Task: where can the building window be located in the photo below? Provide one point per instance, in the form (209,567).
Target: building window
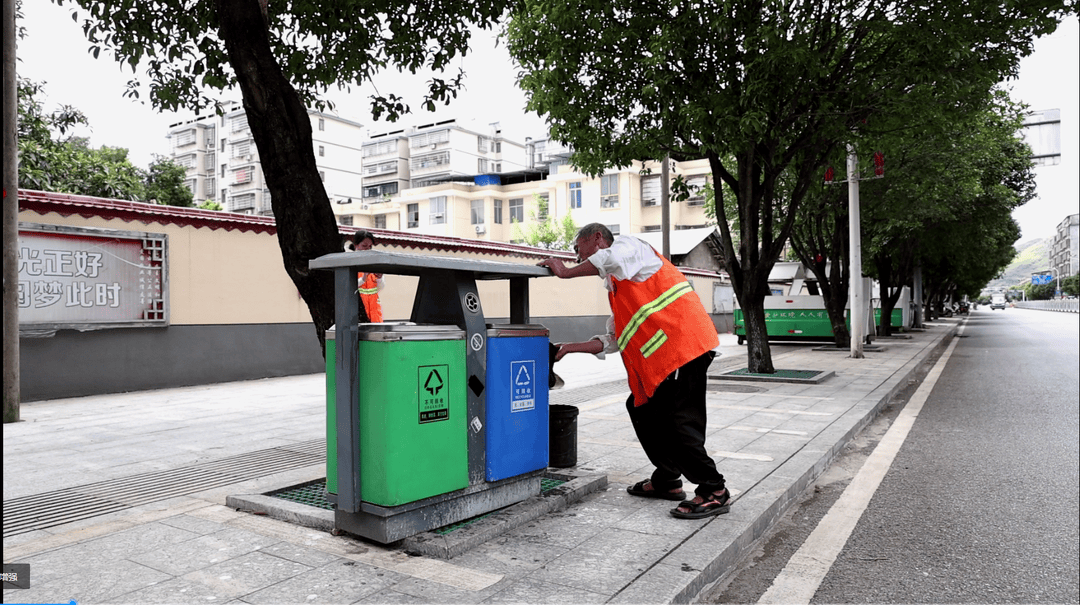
(496,214)
(208,188)
(186,137)
(381,168)
(192,184)
(187,161)
(241,149)
(542,203)
(609,191)
(437,210)
(476,212)
(380,148)
(322,124)
(650,190)
(413,213)
(429,138)
(431,160)
(651,228)
(240,123)
(696,185)
(211,137)
(345,220)
(322,175)
(322,151)
(224,196)
(380,221)
(482,166)
(498,146)
(517,210)
(374,191)
(575,195)
(482,144)
(239,203)
(242,176)
(209,161)
(613,228)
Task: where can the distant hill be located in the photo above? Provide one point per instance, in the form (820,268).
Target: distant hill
(1032,256)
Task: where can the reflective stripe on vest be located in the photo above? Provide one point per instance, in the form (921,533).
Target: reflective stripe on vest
(658,304)
(368,291)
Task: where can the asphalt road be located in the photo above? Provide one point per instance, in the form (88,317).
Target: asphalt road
(982,501)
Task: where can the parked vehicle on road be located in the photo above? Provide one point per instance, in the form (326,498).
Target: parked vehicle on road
(997,301)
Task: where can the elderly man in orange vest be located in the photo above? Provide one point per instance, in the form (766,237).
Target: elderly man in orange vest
(666,340)
(368,284)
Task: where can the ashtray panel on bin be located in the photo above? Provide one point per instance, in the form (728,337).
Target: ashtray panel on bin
(412,409)
(516,400)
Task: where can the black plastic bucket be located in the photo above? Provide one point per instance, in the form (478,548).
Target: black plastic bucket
(562,436)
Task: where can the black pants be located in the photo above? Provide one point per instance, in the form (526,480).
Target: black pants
(671,429)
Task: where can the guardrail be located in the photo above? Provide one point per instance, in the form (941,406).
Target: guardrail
(1066,306)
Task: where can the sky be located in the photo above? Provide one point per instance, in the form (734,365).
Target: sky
(55,52)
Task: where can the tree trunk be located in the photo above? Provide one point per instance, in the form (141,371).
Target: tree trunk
(752,301)
(281,127)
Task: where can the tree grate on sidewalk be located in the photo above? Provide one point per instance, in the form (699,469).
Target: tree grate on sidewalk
(802,374)
(313,493)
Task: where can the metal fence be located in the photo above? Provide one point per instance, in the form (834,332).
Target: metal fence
(1064,305)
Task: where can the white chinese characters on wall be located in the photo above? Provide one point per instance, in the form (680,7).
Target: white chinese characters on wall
(83,276)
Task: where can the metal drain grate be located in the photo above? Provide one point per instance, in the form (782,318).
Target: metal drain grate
(41,511)
(313,493)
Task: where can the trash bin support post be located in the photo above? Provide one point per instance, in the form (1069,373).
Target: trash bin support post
(347,316)
(519,300)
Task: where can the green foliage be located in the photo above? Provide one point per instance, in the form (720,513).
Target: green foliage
(165,183)
(209,205)
(946,201)
(1040,291)
(50,159)
(1071,285)
(318,45)
(544,230)
(776,87)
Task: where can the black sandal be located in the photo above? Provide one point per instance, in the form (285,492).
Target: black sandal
(712,505)
(638,489)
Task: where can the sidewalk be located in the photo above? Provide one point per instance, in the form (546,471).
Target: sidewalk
(155,528)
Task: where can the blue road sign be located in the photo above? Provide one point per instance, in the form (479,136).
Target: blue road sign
(1040,279)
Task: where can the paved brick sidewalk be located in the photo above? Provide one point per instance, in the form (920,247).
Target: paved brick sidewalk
(161,533)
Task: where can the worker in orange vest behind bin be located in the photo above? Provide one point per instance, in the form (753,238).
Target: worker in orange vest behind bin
(368,284)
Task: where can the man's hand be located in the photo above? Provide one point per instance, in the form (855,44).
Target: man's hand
(558,269)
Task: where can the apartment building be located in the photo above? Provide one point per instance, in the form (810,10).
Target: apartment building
(426,155)
(222,161)
(487,207)
(1065,248)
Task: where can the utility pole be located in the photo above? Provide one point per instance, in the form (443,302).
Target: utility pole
(856,296)
(11,220)
(665,208)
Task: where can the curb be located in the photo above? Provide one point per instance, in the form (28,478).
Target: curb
(776,494)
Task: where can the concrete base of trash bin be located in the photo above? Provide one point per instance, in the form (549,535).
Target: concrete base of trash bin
(390,524)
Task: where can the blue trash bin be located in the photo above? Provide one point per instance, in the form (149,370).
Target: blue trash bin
(517,400)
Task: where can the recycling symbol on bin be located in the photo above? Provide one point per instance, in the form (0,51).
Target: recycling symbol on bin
(434,383)
(522,377)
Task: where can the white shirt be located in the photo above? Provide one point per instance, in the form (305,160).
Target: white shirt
(628,258)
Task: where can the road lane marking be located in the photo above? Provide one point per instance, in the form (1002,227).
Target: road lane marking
(806,569)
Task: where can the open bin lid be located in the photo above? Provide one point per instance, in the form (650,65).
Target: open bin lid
(515,330)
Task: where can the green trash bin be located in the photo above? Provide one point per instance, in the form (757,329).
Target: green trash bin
(412,409)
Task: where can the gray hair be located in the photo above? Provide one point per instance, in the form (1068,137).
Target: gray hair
(594,228)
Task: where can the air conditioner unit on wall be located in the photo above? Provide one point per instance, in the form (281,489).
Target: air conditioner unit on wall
(481,229)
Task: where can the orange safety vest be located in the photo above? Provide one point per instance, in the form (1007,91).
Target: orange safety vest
(369,295)
(661,325)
